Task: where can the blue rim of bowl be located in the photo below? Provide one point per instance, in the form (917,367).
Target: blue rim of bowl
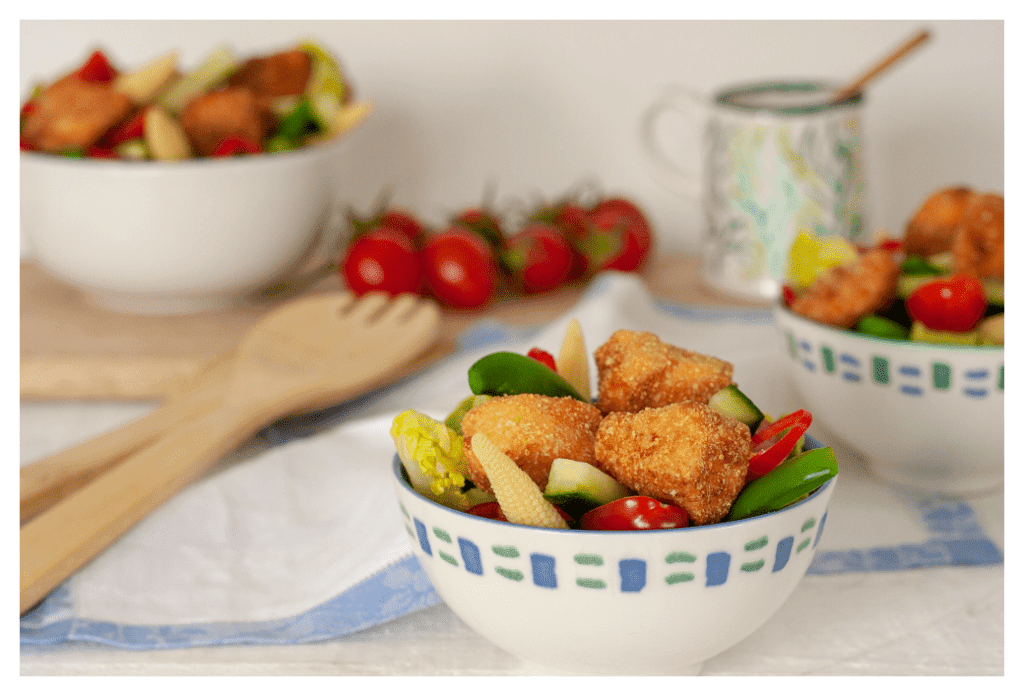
(779,306)
(398,469)
(312,151)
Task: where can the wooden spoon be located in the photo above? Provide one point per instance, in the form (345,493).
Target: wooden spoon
(307,354)
(881,66)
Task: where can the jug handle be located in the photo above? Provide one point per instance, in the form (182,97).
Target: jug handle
(669,172)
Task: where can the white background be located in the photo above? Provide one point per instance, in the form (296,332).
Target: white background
(470,111)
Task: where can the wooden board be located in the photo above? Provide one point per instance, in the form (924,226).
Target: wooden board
(72,350)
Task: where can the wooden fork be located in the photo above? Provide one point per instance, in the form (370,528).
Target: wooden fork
(308,354)
(49,480)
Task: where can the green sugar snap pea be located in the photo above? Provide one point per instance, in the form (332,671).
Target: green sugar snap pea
(785,484)
(503,373)
(873,325)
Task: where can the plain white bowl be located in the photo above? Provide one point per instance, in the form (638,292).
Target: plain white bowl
(925,416)
(177,236)
(656,602)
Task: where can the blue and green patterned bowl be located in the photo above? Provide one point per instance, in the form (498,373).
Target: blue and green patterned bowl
(628,603)
(925,415)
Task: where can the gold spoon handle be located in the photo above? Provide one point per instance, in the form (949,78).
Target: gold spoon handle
(49,480)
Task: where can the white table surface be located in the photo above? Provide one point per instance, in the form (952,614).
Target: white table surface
(929,621)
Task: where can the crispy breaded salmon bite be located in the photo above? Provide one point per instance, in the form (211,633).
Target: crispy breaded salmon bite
(533,430)
(684,453)
(636,370)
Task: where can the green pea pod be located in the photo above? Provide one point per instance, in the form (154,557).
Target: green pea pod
(873,325)
(503,373)
(785,484)
(918,265)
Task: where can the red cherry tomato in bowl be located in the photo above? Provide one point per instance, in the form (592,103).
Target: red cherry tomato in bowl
(382,260)
(948,304)
(460,269)
(633,513)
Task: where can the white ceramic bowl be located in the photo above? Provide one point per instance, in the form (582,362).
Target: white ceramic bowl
(924,415)
(656,602)
(181,236)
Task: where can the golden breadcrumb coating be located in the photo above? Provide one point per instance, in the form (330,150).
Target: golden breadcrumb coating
(844,294)
(978,242)
(636,370)
(684,453)
(534,431)
(933,226)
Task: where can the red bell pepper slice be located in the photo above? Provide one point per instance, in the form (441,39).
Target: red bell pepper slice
(492,511)
(788,295)
(132,129)
(97,152)
(543,357)
(236,145)
(773,443)
(97,69)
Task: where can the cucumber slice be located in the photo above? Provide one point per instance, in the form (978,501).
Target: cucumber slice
(730,401)
(907,284)
(921,333)
(993,291)
(577,487)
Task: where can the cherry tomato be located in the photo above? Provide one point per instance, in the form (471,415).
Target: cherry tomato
(405,223)
(236,145)
(392,218)
(483,223)
(635,512)
(538,258)
(97,69)
(491,511)
(570,217)
(543,357)
(460,270)
(948,304)
(382,260)
(630,229)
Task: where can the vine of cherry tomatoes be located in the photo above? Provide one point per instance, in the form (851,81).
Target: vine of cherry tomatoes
(467,262)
